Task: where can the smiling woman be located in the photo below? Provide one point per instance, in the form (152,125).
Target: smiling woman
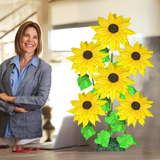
(25,82)
(30,40)
(29,34)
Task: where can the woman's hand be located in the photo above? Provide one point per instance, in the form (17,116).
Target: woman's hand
(7,98)
(21,110)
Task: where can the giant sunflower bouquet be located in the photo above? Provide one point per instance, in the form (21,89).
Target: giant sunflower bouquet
(109,80)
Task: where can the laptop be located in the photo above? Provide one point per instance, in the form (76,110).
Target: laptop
(69,135)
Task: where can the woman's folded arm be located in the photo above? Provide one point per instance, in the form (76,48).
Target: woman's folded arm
(36,101)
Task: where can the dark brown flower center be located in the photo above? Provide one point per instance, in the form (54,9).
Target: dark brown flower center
(135,105)
(113,28)
(87,54)
(113,77)
(136,55)
(87,105)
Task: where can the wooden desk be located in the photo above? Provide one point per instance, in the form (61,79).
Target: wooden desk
(135,152)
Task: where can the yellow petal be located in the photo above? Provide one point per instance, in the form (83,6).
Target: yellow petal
(148,113)
(103,22)
(83,46)
(111,18)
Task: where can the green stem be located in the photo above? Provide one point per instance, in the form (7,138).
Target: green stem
(126,129)
(111,107)
(111,110)
(109,127)
(96,129)
(112,57)
(103,148)
(93,81)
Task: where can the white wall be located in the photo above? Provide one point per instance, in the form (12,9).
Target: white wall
(145,14)
(64,12)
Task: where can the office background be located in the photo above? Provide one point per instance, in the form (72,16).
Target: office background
(65,23)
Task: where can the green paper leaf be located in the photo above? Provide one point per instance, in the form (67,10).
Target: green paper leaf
(131,90)
(106,59)
(118,126)
(106,50)
(106,107)
(111,118)
(116,63)
(111,132)
(103,138)
(84,81)
(99,96)
(125,141)
(88,131)
(93,90)
(122,96)
(135,142)
(107,99)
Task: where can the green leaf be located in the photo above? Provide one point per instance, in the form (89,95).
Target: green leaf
(111,118)
(116,63)
(93,90)
(84,81)
(110,132)
(87,131)
(106,50)
(135,142)
(122,96)
(125,141)
(107,99)
(106,107)
(99,96)
(106,59)
(118,126)
(131,90)
(103,138)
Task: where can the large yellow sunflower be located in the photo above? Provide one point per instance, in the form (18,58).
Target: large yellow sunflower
(135,58)
(113,31)
(134,108)
(112,81)
(87,108)
(87,58)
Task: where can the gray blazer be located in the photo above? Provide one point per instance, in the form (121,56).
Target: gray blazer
(32,94)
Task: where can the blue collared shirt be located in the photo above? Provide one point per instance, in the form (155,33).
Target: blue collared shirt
(16,80)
